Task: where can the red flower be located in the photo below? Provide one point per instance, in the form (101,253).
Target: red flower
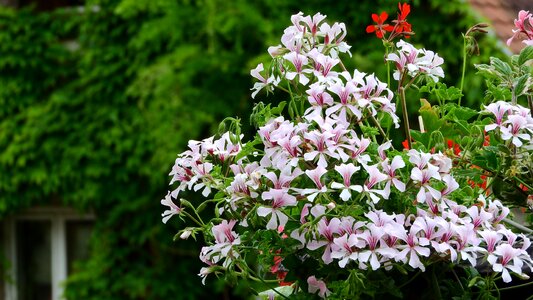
(278,269)
(379,28)
(453,145)
(486,141)
(402,26)
(405,145)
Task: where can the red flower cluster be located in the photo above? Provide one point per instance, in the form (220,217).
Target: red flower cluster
(380,29)
(401,26)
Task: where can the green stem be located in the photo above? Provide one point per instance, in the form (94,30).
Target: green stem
(388,66)
(283,89)
(192,218)
(515,287)
(255,278)
(379,127)
(523,182)
(464,70)
(405,117)
(457,277)
(410,280)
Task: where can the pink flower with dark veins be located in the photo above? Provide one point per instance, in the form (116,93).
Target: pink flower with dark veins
(315,175)
(299,62)
(410,252)
(280,199)
(346,171)
(499,109)
(327,230)
(346,247)
(375,177)
(504,259)
(173,208)
(524,25)
(514,128)
(390,171)
(267,83)
(315,285)
(422,177)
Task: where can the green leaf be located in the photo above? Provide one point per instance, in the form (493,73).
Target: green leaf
(369,131)
(486,159)
(463,113)
(436,140)
(432,121)
(448,94)
(525,55)
(421,137)
(521,85)
(487,71)
(498,92)
(466,172)
(501,66)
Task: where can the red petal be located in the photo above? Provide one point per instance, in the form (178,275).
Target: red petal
(375,18)
(388,28)
(370,28)
(379,34)
(405,9)
(383,17)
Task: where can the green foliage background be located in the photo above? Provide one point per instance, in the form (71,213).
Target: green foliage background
(97,126)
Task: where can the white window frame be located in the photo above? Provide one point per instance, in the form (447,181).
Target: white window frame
(58,216)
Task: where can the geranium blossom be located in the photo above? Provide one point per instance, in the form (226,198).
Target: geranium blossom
(402,26)
(415,62)
(325,189)
(280,199)
(319,286)
(346,171)
(380,28)
(263,82)
(524,26)
(173,208)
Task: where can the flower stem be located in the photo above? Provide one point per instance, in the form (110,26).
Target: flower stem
(193,218)
(518,226)
(410,280)
(515,286)
(405,117)
(379,127)
(388,65)
(457,277)
(464,70)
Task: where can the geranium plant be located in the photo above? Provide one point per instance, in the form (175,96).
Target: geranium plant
(320,202)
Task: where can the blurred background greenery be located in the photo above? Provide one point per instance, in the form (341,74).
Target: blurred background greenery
(97,97)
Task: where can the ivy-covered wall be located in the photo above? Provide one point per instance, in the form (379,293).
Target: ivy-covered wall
(95,104)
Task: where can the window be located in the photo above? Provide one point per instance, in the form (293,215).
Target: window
(43,245)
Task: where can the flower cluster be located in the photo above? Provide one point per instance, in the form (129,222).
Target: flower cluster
(401,26)
(514,122)
(317,185)
(447,230)
(414,62)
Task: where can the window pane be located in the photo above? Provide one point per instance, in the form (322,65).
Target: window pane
(78,237)
(34,272)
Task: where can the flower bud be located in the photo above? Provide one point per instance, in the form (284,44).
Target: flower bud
(185,234)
